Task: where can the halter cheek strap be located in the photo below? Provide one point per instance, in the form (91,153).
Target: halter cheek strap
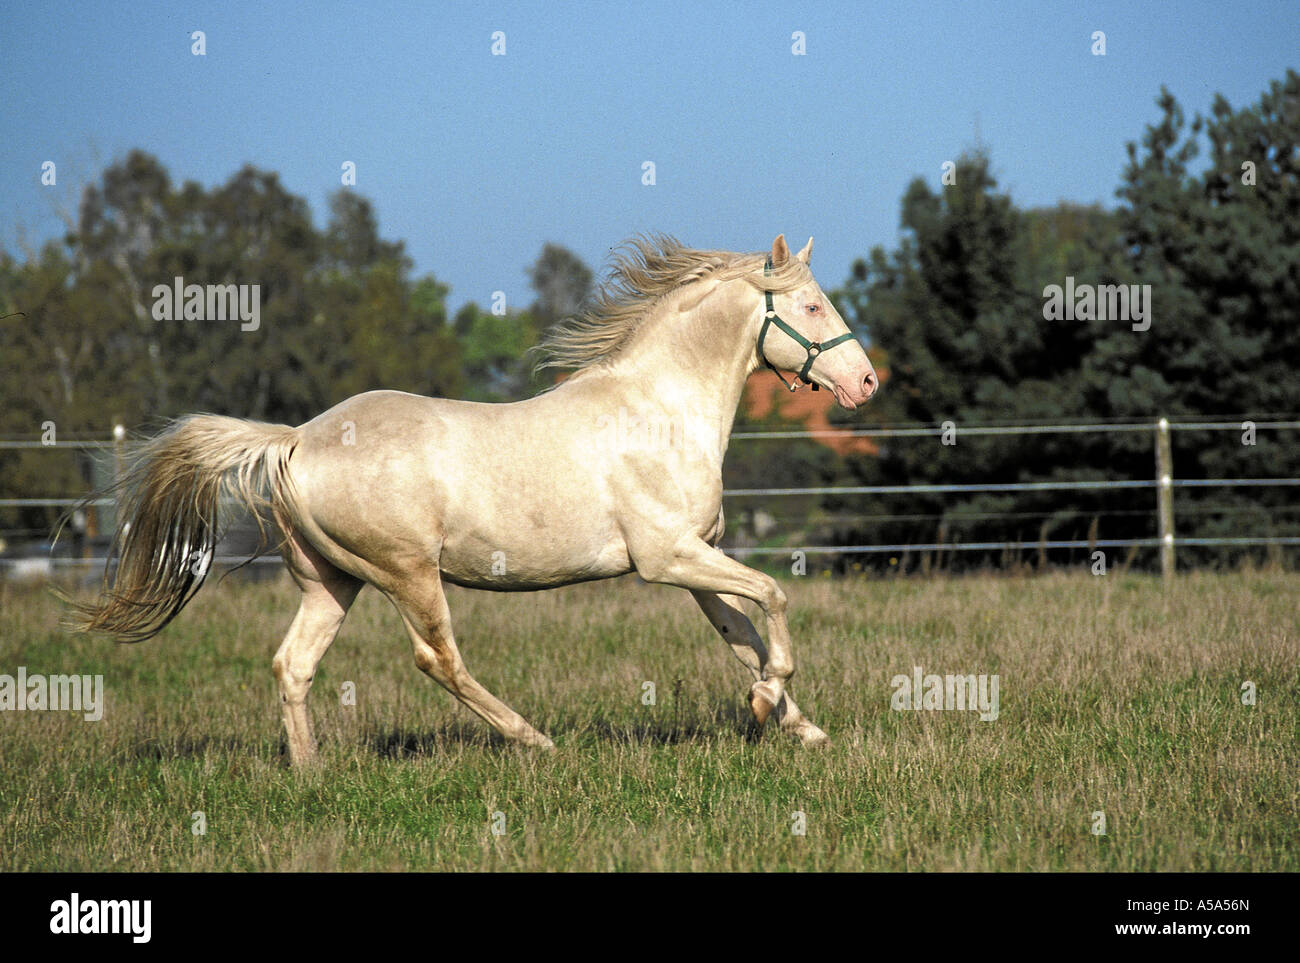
(813,348)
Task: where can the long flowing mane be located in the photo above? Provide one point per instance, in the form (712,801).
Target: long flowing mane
(642,271)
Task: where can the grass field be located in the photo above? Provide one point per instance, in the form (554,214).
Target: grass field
(1116,696)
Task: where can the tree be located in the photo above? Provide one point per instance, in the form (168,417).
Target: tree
(1220,249)
(959,309)
(338,315)
(562,282)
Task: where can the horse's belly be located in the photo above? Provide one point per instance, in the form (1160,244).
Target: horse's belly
(519,561)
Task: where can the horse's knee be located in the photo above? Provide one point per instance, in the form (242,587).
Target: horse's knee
(780,667)
(774,599)
(294,683)
(280,667)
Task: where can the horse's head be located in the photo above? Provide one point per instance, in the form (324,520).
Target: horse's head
(802,332)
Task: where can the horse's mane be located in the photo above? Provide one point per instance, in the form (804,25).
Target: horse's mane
(643,270)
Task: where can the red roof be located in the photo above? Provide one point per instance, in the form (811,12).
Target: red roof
(764,395)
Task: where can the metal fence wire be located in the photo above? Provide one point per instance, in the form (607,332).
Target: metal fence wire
(1162,482)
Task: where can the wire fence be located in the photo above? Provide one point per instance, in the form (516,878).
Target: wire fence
(1161,482)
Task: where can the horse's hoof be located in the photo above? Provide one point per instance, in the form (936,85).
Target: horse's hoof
(811,736)
(761,702)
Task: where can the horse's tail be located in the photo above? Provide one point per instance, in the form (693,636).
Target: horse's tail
(167,526)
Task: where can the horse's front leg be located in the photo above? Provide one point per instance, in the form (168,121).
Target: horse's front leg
(725,615)
(694,564)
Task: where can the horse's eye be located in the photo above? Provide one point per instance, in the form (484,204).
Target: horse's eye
(813,308)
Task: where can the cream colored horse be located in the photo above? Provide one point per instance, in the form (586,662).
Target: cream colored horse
(617,469)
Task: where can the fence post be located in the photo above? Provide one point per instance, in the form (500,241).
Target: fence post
(1165,498)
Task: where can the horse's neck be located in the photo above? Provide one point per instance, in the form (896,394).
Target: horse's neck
(691,357)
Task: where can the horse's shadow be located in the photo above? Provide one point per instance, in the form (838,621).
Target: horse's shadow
(187,747)
(404,743)
(727,721)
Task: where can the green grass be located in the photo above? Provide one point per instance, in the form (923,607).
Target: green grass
(1115,696)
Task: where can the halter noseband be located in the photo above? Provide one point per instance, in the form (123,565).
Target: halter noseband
(813,348)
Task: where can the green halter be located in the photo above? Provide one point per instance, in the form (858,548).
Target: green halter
(814,348)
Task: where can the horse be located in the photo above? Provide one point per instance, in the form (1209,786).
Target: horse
(407,492)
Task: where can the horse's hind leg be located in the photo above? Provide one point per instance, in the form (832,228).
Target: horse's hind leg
(725,614)
(422,604)
(327,593)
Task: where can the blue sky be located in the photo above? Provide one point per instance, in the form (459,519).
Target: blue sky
(476,160)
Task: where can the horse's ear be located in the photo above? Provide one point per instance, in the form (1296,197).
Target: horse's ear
(780,252)
(806,254)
